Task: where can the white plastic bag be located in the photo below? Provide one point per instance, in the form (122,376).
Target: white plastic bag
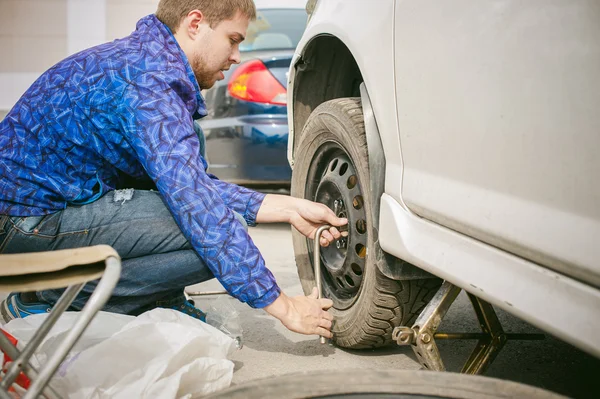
(159,354)
(223,316)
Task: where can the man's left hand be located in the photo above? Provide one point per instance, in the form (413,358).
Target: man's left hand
(310,216)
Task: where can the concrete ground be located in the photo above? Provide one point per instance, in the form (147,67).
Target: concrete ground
(271,350)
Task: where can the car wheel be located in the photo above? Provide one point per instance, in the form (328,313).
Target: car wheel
(389,384)
(332,168)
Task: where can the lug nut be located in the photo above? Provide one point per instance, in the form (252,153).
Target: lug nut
(341,243)
(337,206)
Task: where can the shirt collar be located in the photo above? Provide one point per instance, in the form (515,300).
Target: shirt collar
(152,21)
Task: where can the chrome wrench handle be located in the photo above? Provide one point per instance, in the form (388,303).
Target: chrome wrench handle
(317,264)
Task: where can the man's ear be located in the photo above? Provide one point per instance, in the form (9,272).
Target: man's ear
(194,23)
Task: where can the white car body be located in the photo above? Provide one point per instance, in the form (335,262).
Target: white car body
(487,112)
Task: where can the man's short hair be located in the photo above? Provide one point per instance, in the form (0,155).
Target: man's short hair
(172,12)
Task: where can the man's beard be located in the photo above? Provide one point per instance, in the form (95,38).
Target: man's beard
(205,78)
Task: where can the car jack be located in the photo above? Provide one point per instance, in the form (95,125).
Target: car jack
(423,334)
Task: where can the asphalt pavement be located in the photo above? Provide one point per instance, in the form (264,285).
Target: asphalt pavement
(270,349)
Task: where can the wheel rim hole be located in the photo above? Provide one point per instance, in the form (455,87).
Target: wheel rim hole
(339,281)
(356,269)
(361,226)
(343,168)
(334,165)
(351,183)
(349,280)
(361,250)
(358,202)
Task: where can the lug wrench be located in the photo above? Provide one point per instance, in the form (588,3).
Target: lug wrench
(317,270)
(317,264)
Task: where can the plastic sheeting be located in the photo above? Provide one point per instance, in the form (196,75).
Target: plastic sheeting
(159,354)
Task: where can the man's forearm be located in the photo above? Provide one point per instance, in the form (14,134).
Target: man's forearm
(277,208)
(278,308)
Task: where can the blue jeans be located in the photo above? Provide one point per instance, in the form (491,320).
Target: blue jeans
(158,261)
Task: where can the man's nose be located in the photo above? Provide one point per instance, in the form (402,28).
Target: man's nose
(236,57)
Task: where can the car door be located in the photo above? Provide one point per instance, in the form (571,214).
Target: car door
(497,107)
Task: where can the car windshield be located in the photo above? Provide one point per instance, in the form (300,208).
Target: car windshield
(275,30)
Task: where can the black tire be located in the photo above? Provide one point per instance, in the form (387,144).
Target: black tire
(367,304)
(397,384)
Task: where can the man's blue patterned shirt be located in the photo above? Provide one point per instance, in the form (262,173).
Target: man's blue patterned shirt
(127,108)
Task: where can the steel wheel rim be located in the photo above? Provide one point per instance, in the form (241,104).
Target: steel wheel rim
(333,181)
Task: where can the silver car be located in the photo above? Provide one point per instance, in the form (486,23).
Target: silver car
(460,139)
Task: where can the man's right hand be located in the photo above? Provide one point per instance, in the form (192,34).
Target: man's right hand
(303,314)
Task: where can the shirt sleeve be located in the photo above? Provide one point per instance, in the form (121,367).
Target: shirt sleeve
(159,128)
(244,201)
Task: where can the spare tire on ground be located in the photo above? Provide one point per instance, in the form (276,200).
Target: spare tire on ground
(392,384)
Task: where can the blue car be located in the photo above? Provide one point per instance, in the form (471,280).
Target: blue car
(246,128)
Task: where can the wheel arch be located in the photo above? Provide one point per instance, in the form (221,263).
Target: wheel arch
(327,70)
